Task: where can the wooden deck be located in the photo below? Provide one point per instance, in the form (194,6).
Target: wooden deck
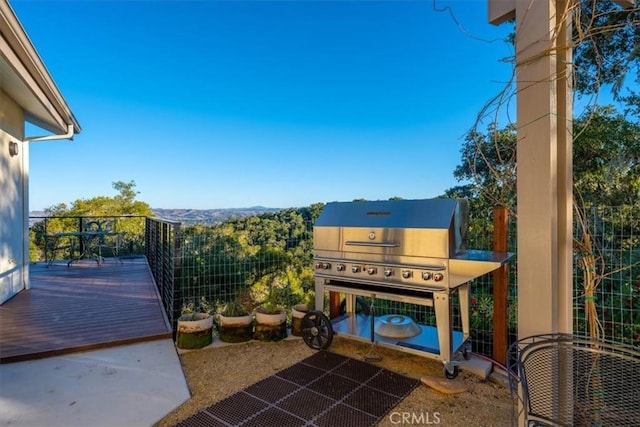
(81,307)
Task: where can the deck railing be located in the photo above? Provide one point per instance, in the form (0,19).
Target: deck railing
(129,227)
(162,249)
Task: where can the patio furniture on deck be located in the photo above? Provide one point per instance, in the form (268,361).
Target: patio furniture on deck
(568,380)
(55,244)
(108,240)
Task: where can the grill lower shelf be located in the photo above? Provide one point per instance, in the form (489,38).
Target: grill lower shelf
(441,342)
(358,326)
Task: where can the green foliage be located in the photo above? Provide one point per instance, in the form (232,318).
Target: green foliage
(607,158)
(123,203)
(268,256)
(606,166)
(281,289)
(481,312)
(607,51)
(606,163)
(188,308)
(233,309)
(126,214)
(489,163)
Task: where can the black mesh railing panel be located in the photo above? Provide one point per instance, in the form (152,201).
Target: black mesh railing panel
(162,242)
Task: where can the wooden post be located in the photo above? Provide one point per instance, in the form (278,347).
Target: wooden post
(334,304)
(500,285)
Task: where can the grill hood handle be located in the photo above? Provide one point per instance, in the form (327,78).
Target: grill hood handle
(372,244)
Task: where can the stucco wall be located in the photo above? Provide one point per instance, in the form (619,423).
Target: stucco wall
(14,260)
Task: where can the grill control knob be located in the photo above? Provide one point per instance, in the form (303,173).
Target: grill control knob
(355,269)
(438,277)
(426,275)
(326,266)
(388,272)
(406,274)
(340,267)
(371,271)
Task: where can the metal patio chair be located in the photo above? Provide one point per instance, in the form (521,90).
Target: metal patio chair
(109,242)
(53,245)
(568,380)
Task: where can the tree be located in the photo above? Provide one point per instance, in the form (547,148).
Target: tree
(67,218)
(607,158)
(123,203)
(607,51)
(489,163)
(251,253)
(606,56)
(606,161)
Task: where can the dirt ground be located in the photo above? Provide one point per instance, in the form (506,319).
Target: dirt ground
(219,371)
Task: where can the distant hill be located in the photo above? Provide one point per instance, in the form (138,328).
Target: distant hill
(210,216)
(194,216)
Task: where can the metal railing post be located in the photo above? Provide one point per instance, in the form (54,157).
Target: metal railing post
(177,273)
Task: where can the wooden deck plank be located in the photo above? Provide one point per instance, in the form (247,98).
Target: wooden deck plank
(81,307)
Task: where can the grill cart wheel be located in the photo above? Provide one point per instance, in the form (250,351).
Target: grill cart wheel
(316,330)
(453,374)
(466,351)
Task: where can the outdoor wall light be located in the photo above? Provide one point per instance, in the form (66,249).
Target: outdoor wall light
(13,148)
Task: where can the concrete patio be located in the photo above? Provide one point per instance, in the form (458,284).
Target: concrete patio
(130,385)
(88,345)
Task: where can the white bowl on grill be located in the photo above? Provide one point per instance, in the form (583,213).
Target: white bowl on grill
(396,326)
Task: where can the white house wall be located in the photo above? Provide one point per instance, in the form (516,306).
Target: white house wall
(14,256)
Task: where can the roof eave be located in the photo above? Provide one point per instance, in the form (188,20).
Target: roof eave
(54,114)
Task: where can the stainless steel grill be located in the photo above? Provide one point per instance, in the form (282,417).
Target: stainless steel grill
(404,250)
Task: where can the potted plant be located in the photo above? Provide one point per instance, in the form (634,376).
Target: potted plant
(297,313)
(235,323)
(271,316)
(195,328)
(299,310)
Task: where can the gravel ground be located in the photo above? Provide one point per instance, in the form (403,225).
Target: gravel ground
(221,370)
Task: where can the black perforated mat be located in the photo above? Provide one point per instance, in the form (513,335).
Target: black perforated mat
(323,390)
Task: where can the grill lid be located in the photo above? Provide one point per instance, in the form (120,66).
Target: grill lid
(428,213)
(429,227)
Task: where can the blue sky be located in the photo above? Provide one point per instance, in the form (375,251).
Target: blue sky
(219,104)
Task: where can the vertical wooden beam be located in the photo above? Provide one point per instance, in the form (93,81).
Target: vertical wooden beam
(500,285)
(334,304)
